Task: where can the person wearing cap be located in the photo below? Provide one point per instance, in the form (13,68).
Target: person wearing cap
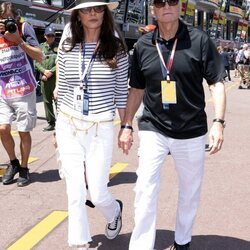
(18,48)
(92,83)
(168,68)
(47,70)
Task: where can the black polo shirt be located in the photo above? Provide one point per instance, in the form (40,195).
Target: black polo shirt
(196,57)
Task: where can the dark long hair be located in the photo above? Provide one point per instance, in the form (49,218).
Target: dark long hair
(110,44)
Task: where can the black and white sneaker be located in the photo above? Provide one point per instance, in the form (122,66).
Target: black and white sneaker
(23,179)
(113,229)
(176,246)
(12,170)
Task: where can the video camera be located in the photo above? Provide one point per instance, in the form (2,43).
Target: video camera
(10,24)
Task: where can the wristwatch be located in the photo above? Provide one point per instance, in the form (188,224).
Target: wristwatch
(223,122)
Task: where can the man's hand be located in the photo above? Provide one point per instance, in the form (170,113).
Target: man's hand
(44,78)
(216,138)
(125,140)
(13,37)
(48,73)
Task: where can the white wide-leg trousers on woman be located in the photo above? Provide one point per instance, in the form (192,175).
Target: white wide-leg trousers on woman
(78,142)
(188,157)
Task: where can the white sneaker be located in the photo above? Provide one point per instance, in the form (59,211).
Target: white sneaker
(113,229)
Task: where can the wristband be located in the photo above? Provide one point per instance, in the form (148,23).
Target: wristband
(223,123)
(127,127)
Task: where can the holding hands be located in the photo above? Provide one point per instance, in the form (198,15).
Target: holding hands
(125,138)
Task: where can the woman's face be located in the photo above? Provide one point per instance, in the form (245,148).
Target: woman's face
(92,17)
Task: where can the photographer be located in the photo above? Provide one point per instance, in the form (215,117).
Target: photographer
(18,48)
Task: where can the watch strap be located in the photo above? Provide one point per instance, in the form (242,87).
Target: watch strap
(220,121)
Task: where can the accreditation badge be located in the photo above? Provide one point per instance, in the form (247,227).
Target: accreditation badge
(168,92)
(78,99)
(85,109)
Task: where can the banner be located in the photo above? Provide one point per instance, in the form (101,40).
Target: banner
(235,10)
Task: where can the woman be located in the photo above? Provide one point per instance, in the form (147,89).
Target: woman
(92,83)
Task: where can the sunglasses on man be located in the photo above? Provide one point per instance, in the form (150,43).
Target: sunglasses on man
(162,3)
(97,9)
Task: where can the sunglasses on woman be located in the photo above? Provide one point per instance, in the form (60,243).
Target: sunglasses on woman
(97,9)
(162,3)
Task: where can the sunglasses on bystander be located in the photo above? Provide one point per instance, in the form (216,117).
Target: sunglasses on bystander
(97,9)
(162,3)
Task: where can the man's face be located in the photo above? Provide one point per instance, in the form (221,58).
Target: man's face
(166,11)
(50,38)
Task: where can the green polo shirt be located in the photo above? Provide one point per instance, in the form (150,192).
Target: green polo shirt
(49,61)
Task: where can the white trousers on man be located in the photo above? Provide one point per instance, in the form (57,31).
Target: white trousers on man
(188,157)
(78,142)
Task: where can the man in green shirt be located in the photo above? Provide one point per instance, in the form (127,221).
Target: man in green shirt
(47,70)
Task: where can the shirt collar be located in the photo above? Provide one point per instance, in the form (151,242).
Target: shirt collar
(179,34)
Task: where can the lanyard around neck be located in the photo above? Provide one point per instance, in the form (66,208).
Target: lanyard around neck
(87,68)
(167,68)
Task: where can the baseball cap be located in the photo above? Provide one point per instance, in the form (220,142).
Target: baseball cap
(49,31)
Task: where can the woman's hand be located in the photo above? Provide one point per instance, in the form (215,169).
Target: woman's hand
(55,92)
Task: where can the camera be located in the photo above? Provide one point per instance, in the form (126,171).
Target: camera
(10,24)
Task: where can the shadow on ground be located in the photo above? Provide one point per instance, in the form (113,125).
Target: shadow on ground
(46,176)
(123,178)
(165,238)
(41,118)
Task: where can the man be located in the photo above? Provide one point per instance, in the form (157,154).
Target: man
(18,49)
(225,60)
(168,68)
(243,61)
(47,70)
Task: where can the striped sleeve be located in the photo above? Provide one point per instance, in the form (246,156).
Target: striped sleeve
(121,89)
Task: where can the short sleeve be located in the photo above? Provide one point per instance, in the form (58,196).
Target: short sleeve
(212,62)
(30,35)
(137,79)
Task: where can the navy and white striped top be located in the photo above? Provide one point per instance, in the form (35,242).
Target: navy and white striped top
(107,88)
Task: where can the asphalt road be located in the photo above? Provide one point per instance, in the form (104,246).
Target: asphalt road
(35,217)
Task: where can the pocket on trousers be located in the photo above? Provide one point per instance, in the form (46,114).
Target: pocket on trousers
(31,120)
